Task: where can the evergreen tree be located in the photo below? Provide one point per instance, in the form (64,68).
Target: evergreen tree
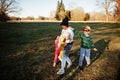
(87,17)
(60,11)
(57,11)
(62,7)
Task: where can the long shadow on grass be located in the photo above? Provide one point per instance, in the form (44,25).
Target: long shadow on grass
(74,66)
(101,45)
(118,75)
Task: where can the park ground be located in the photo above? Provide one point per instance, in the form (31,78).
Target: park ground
(27,52)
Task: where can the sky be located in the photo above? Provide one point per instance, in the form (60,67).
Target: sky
(44,7)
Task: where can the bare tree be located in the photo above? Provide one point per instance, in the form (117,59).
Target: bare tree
(97,16)
(77,14)
(107,6)
(117,11)
(7,7)
(52,15)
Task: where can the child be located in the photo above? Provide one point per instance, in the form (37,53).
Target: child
(86,45)
(57,50)
(61,45)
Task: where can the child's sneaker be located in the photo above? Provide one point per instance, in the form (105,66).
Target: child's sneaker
(60,72)
(81,68)
(54,64)
(87,65)
(68,66)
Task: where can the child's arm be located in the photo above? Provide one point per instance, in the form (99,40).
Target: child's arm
(92,45)
(76,31)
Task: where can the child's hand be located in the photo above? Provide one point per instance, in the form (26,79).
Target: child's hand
(94,49)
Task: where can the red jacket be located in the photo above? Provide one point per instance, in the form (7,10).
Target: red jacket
(56,43)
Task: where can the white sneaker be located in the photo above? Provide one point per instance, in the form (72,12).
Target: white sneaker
(54,64)
(60,72)
(87,65)
(69,65)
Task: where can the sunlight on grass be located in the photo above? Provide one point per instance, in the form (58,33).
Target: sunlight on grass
(27,52)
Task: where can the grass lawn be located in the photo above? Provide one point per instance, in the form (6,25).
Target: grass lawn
(27,52)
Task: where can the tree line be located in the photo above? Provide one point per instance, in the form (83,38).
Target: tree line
(110,12)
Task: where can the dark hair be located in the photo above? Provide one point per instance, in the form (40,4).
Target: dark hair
(57,36)
(65,22)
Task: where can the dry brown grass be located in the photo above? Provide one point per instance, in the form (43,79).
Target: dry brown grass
(27,52)
(107,64)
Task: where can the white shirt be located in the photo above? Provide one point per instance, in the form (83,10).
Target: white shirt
(68,34)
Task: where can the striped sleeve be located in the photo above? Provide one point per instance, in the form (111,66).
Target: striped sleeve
(77,32)
(91,43)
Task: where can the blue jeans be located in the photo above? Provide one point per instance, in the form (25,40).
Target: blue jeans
(84,53)
(65,57)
